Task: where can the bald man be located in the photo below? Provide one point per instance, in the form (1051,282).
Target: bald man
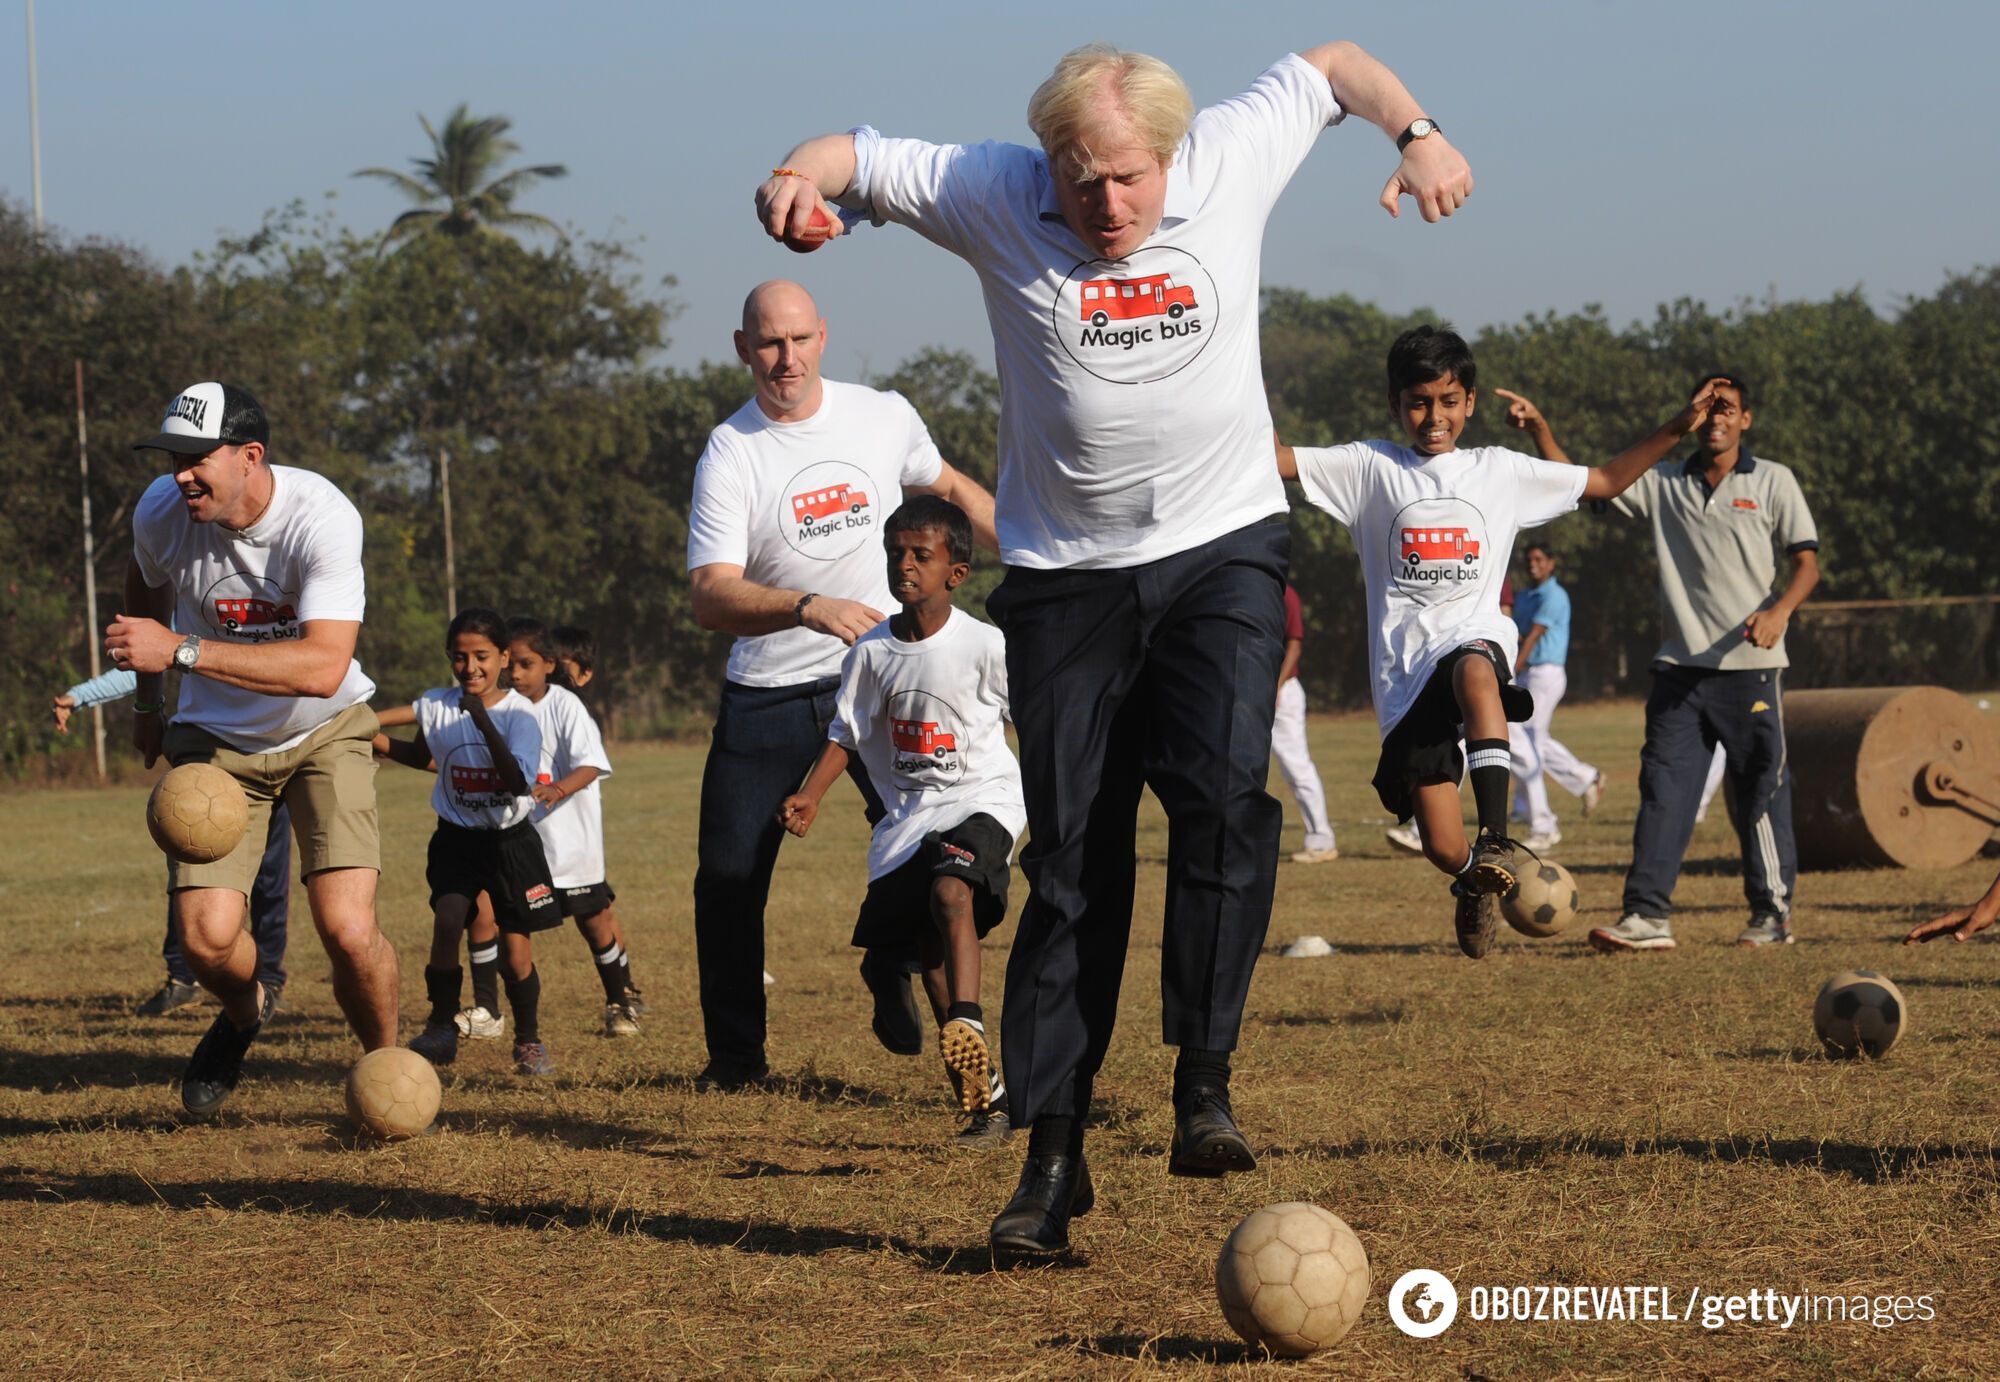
(785,552)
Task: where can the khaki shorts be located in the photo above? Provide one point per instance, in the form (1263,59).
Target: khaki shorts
(328,781)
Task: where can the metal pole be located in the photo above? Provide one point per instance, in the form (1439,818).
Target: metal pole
(89,565)
(35,127)
(450,565)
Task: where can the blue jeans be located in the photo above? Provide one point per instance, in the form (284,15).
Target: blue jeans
(270,908)
(1689,712)
(765,742)
(1162,675)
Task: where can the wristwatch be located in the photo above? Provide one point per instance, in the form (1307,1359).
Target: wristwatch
(187,653)
(1420,128)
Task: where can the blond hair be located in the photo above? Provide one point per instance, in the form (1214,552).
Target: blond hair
(1098,90)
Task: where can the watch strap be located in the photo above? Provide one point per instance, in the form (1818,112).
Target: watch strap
(1410,135)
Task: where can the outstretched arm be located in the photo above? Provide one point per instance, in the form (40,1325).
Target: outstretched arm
(797,811)
(966,492)
(727,601)
(1960,923)
(1432,173)
(1618,474)
(812,175)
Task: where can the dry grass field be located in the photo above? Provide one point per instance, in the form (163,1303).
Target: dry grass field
(1546,1116)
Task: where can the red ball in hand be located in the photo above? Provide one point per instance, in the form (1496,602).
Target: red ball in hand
(813,236)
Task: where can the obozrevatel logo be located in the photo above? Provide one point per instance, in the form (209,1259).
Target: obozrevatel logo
(1137,319)
(827,511)
(1423,1303)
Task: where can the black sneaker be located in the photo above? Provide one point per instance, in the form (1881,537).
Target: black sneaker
(722,1076)
(1493,868)
(173,994)
(1475,916)
(215,1066)
(274,1002)
(895,1024)
(988,1128)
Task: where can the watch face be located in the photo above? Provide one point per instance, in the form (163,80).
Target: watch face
(185,655)
(1420,128)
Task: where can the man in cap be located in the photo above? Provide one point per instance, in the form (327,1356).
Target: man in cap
(246,577)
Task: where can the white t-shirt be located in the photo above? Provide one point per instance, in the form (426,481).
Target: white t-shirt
(799,506)
(1133,421)
(300,561)
(572,830)
(1434,534)
(468,790)
(928,720)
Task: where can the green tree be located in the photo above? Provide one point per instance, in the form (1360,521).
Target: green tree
(459,188)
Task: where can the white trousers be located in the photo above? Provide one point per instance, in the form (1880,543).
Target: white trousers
(1535,750)
(1288,746)
(1708,788)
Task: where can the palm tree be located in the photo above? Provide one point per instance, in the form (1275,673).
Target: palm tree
(453,183)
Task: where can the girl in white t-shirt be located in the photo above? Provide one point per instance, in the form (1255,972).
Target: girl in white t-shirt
(486,746)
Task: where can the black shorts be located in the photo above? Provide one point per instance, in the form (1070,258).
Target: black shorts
(586,902)
(507,865)
(1423,747)
(897,909)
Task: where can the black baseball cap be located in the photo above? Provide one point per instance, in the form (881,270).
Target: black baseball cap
(205,416)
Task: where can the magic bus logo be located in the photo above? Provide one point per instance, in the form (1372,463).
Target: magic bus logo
(473,781)
(250,609)
(1139,319)
(924,734)
(1437,549)
(826,510)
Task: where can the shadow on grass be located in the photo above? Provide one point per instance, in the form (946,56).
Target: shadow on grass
(1362,1017)
(346,1199)
(1871,1165)
(808,1087)
(99,1004)
(121,1068)
(753,1169)
(1162,1348)
(1953,981)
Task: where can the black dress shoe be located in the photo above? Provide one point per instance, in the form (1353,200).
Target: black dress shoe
(1035,1223)
(1207,1141)
(724,1075)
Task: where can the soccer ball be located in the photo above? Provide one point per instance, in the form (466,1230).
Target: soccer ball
(392,1093)
(197,813)
(1293,1278)
(1858,1013)
(1542,901)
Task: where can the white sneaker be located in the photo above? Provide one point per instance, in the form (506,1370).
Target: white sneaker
(1634,932)
(1542,841)
(479,1024)
(1316,856)
(618,1021)
(1593,795)
(1405,837)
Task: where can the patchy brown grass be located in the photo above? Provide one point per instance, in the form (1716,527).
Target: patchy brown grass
(1545,1116)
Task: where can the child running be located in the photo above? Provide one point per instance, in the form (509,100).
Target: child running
(485,742)
(923,701)
(575,651)
(1433,525)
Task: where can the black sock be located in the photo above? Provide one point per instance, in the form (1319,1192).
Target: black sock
(442,986)
(1055,1136)
(1491,770)
(611,971)
(486,974)
(524,996)
(1199,1068)
(969,1011)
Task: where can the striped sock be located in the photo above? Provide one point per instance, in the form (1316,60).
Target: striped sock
(611,971)
(485,975)
(1490,767)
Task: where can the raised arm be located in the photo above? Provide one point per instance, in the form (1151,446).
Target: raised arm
(727,601)
(1524,416)
(1618,474)
(810,176)
(1432,173)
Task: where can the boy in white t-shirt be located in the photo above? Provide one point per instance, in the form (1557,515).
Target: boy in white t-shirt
(923,704)
(1433,526)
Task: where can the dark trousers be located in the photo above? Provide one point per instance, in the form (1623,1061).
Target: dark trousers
(1689,712)
(765,742)
(270,908)
(1162,675)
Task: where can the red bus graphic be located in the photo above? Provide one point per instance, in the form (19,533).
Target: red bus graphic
(921,736)
(472,781)
(1106,300)
(816,504)
(1440,544)
(244,612)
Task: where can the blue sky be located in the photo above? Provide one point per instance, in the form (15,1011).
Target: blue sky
(1626,154)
